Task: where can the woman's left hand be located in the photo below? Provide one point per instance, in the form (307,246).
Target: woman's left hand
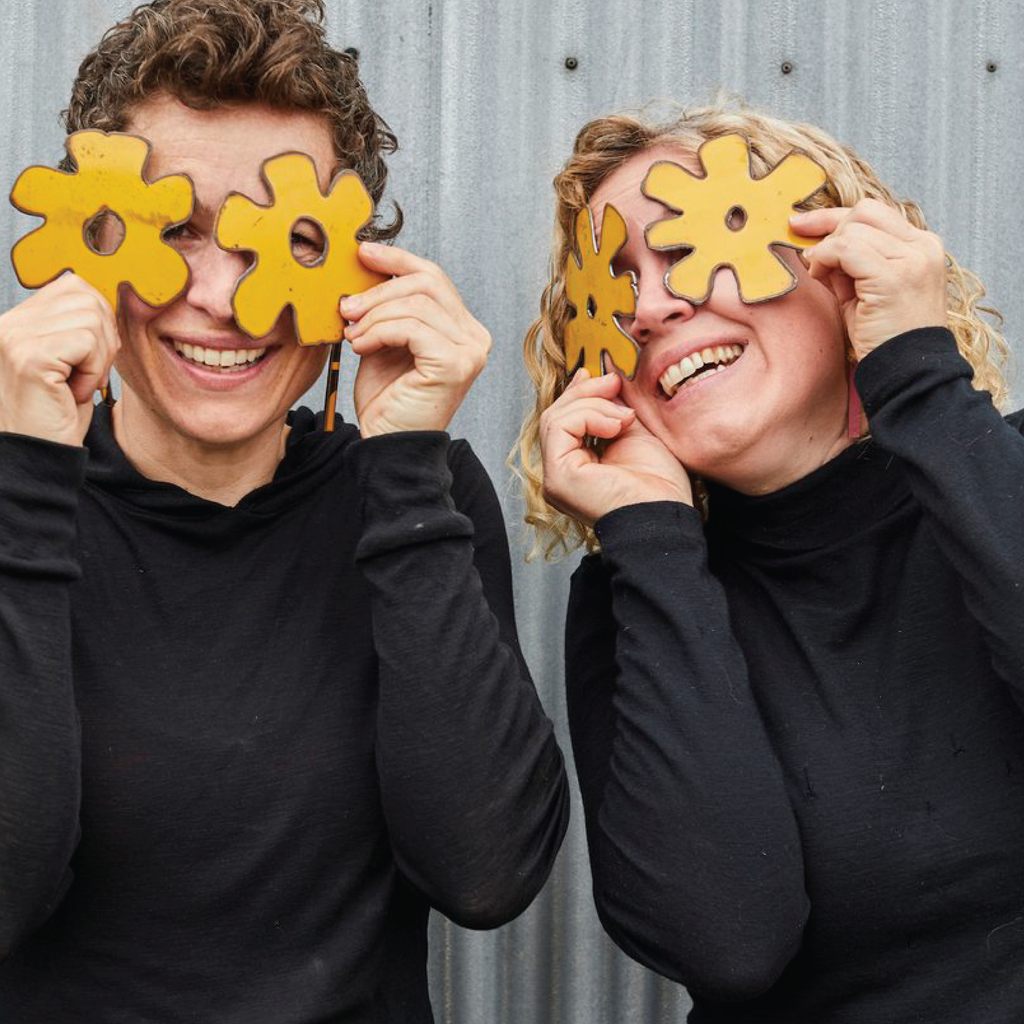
(888,276)
(419,347)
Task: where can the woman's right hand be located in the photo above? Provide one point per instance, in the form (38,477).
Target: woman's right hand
(56,350)
(634,466)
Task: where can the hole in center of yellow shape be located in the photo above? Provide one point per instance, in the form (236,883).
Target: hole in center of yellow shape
(308,242)
(736,219)
(591,307)
(104,232)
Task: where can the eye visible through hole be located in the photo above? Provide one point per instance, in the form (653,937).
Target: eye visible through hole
(104,232)
(591,307)
(736,219)
(308,242)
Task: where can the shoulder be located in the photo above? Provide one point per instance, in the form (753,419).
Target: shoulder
(471,486)
(1016,420)
(462,460)
(589,586)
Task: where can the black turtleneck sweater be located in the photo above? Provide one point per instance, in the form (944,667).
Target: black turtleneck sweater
(244,750)
(799,733)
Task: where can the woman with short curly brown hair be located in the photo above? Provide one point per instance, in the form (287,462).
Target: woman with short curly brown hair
(262,704)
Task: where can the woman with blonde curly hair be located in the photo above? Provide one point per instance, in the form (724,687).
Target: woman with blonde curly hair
(796,713)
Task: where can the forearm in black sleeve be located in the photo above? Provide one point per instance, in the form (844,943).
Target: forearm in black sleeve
(695,852)
(40,774)
(472,780)
(965,465)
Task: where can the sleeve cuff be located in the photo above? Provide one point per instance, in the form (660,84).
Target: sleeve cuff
(654,525)
(405,482)
(925,357)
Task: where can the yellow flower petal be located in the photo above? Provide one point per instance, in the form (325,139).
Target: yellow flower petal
(598,296)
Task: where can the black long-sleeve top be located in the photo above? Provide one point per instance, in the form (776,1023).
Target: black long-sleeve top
(244,750)
(799,733)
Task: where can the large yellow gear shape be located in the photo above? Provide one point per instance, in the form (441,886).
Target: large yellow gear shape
(109,175)
(729,218)
(277,279)
(598,296)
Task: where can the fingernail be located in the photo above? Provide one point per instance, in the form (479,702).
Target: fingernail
(371,247)
(349,304)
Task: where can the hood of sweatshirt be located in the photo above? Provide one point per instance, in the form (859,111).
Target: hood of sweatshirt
(311,457)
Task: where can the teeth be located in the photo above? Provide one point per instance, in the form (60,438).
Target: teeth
(681,374)
(219,357)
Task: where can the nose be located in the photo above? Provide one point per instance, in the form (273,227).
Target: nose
(213,275)
(656,307)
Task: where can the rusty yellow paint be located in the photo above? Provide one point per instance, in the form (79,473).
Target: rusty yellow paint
(109,176)
(598,296)
(277,279)
(730,219)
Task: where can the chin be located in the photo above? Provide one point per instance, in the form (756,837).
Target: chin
(219,427)
(711,446)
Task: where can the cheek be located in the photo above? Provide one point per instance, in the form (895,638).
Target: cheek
(133,318)
(308,364)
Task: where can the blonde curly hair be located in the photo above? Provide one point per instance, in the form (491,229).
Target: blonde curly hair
(607,142)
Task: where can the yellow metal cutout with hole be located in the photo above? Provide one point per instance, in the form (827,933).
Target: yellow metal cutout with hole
(598,296)
(109,176)
(277,279)
(729,218)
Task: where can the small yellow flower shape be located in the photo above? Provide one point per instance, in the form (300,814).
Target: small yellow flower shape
(277,279)
(729,218)
(598,296)
(109,176)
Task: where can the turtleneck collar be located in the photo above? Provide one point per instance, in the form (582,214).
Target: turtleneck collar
(860,486)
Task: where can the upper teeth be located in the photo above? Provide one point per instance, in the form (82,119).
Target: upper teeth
(680,373)
(218,356)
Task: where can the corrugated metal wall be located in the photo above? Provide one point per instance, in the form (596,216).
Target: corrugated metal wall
(485,104)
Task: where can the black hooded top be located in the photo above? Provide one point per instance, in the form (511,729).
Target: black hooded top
(244,749)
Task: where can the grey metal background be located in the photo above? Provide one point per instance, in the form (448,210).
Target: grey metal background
(485,107)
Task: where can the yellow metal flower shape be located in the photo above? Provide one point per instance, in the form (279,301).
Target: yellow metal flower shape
(729,218)
(109,175)
(277,279)
(598,296)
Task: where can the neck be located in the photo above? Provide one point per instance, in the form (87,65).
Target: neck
(781,463)
(220,473)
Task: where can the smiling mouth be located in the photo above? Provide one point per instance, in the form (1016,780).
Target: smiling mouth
(227,360)
(698,365)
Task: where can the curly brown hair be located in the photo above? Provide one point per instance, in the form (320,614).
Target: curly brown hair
(206,53)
